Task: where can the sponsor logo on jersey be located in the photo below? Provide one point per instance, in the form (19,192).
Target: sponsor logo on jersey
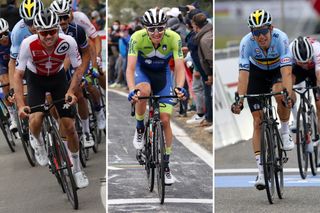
(37,53)
(164,47)
(285,60)
(180,48)
(258,51)
(276,35)
(244,66)
(148,61)
(62,48)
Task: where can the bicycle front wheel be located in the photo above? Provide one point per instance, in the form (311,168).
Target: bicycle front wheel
(149,158)
(159,153)
(66,174)
(314,137)
(278,156)
(267,160)
(301,139)
(23,129)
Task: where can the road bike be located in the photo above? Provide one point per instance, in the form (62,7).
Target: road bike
(154,144)
(307,132)
(273,156)
(59,161)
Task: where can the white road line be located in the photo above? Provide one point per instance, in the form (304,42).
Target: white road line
(248,170)
(156,200)
(183,138)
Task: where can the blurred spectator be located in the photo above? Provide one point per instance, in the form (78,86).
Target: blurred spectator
(179,27)
(97,21)
(113,42)
(10,13)
(204,39)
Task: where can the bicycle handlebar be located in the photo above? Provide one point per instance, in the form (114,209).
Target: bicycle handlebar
(262,95)
(47,106)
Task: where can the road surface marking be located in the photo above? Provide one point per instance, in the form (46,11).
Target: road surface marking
(156,200)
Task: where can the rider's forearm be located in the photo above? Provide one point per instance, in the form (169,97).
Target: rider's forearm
(243,82)
(132,60)
(18,87)
(318,77)
(75,81)
(11,66)
(286,73)
(180,72)
(92,52)
(85,59)
(97,42)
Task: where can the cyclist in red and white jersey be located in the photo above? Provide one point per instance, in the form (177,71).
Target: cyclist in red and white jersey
(306,64)
(41,57)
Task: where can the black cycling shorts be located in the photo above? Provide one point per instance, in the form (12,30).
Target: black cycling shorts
(302,74)
(57,85)
(261,81)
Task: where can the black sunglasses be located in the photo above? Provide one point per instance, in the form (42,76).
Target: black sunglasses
(64,17)
(153,29)
(260,31)
(4,35)
(28,22)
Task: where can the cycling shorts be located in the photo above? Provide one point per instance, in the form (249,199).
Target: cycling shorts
(57,85)
(261,81)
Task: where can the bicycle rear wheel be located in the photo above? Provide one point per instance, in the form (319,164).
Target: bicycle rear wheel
(159,153)
(7,135)
(314,137)
(65,171)
(301,138)
(267,160)
(278,156)
(23,129)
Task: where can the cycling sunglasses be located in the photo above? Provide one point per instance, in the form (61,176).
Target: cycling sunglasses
(29,23)
(260,31)
(4,35)
(64,17)
(48,32)
(153,29)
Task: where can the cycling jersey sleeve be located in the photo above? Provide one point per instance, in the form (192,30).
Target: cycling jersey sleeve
(84,22)
(83,42)
(133,45)
(316,55)
(176,46)
(73,53)
(244,62)
(284,51)
(24,55)
(15,45)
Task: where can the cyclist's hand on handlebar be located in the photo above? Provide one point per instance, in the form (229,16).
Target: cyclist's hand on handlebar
(10,96)
(236,108)
(133,96)
(24,112)
(181,93)
(70,98)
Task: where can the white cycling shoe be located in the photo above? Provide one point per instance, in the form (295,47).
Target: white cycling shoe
(40,151)
(81,179)
(260,183)
(138,139)
(168,177)
(287,142)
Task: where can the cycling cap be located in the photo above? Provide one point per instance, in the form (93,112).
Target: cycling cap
(29,8)
(61,7)
(302,49)
(4,26)
(259,18)
(46,19)
(154,17)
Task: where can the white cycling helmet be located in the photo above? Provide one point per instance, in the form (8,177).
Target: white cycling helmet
(259,18)
(302,49)
(154,17)
(29,8)
(4,26)
(61,7)
(46,19)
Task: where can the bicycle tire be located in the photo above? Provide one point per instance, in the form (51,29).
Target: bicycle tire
(159,150)
(278,163)
(149,158)
(65,171)
(314,135)
(7,135)
(302,155)
(82,154)
(54,159)
(93,125)
(267,160)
